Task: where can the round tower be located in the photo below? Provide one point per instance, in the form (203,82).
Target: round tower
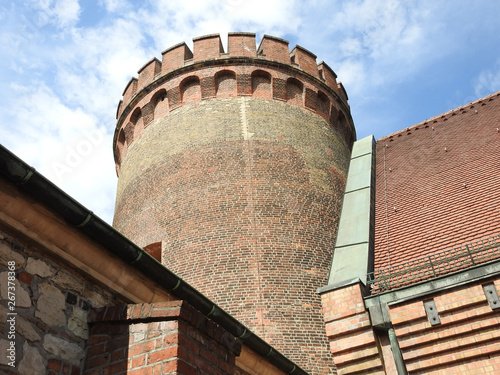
(232,168)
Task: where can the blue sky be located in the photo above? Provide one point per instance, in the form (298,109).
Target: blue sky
(64,65)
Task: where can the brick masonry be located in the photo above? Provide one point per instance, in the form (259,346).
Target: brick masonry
(353,343)
(241,214)
(466,339)
(160,338)
(466,342)
(238,172)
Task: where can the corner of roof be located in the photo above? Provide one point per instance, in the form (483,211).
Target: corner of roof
(442,116)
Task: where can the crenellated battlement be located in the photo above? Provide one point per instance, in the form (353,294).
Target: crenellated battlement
(240,44)
(270,71)
(232,164)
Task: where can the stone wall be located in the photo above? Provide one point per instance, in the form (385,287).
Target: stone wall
(49,316)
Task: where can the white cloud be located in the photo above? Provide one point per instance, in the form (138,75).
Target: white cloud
(60,13)
(352,71)
(40,117)
(382,27)
(172,22)
(488,81)
(351,47)
(18,37)
(386,39)
(114,5)
(65,144)
(66,77)
(93,70)
(278,17)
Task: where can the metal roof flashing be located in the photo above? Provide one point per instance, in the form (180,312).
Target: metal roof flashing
(353,253)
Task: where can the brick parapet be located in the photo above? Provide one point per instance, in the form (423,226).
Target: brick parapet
(148,72)
(243,60)
(166,338)
(241,44)
(164,310)
(209,48)
(274,48)
(305,59)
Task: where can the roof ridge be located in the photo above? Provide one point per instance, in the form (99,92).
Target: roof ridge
(434,118)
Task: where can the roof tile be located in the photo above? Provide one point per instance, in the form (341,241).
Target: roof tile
(434,210)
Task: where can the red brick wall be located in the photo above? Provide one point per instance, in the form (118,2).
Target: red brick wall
(466,342)
(241,44)
(190,90)
(148,72)
(261,84)
(294,92)
(207,47)
(306,60)
(353,344)
(161,338)
(160,105)
(274,49)
(129,91)
(174,57)
(225,83)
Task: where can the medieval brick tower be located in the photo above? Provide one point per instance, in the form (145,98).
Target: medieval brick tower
(231,169)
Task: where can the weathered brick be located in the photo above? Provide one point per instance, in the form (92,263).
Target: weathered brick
(158,346)
(251,157)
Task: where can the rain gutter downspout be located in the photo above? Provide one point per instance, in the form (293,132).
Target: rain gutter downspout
(396,352)
(381,320)
(33,183)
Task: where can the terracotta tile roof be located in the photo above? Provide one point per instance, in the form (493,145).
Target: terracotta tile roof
(438,183)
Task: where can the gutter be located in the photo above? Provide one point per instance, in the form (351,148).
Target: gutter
(33,183)
(396,352)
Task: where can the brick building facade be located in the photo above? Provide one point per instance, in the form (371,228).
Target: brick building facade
(263,238)
(427,209)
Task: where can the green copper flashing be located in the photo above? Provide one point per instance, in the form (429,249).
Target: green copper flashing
(353,256)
